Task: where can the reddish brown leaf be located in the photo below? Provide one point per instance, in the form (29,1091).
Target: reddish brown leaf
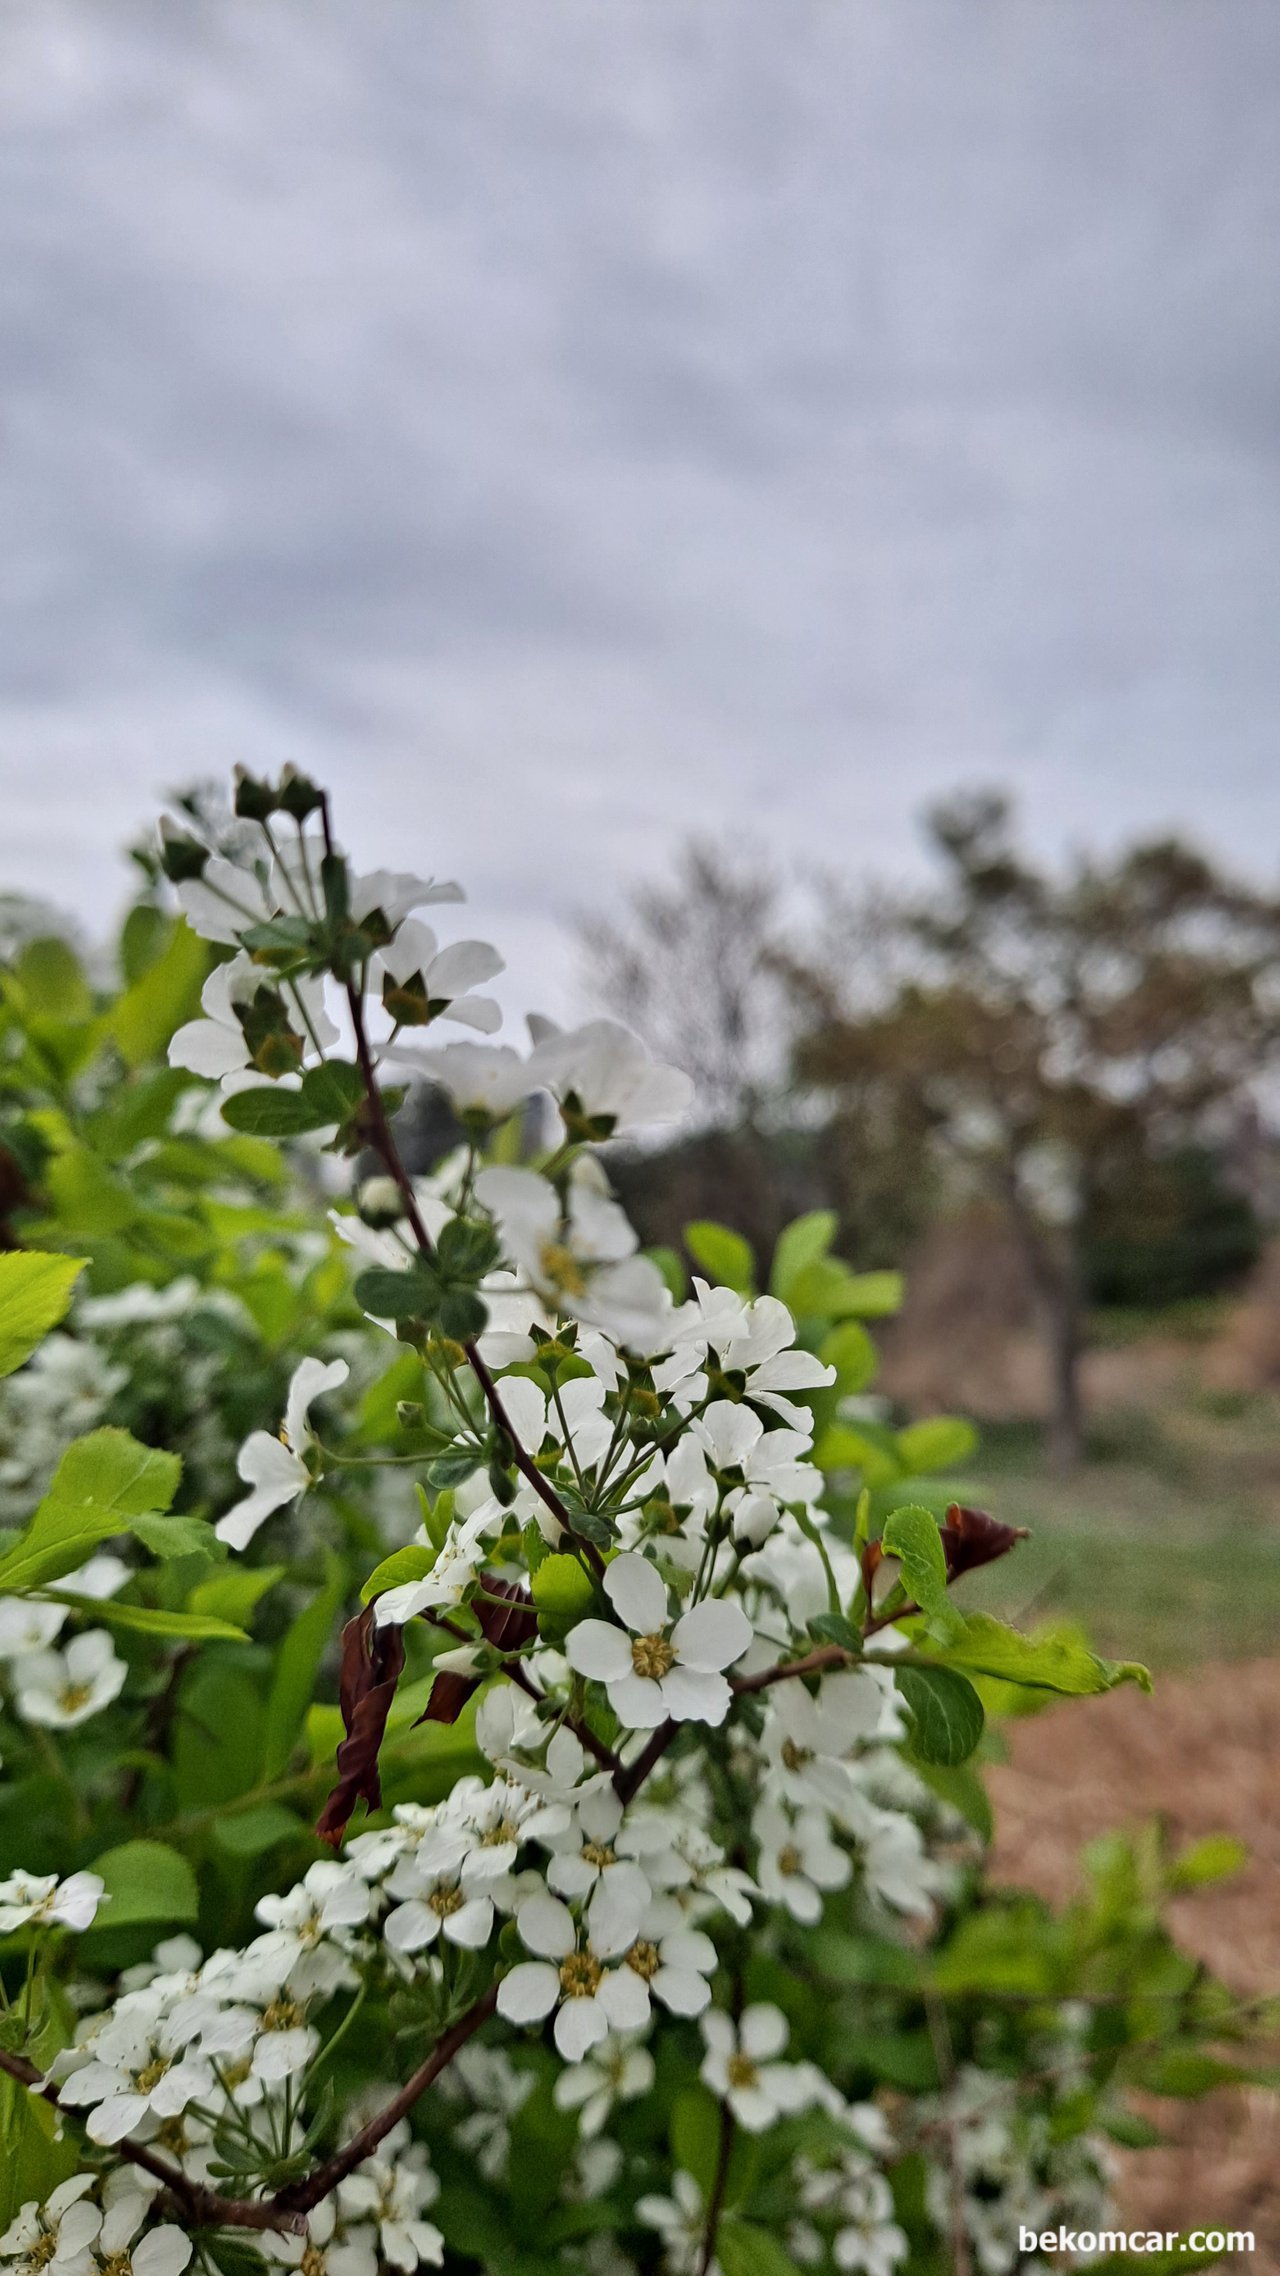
(510,1625)
(372,1662)
(970,1538)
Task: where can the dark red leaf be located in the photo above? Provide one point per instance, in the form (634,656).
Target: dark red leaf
(372,1662)
(971,1538)
(510,1625)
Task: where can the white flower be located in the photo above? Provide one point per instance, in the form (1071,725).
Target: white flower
(331,2246)
(215,1046)
(461,1555)
(396,892)
(42,1900)
(754,1340)
(274,1467)
(486,1081)
(681,2221)
(799,1861)
(136,2069)
(604,1079)
(674,1962)
(805,1739)
(741,2066)
(437,1897)
(26,1625)
(448,975)
(582,1258)
(46,2240)
(58,1690)
(896,1866)
(762,1469)
(392,2191)
(617,2071)
(224,902)
(573,1974)
(653,1674)
(869,2240)
(100,1577)
(332,1897)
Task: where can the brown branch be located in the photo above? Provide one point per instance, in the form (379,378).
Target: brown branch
(814,1663)
(629,1777)
(715,2203)
(300,2196)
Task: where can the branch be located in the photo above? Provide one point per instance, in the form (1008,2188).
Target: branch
(715,2203)
(300,2196)
(814,1663)
(629,1777)
(202,2206)
(383,1141)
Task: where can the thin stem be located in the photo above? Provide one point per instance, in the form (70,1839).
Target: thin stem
(302,2195)
(715,2203)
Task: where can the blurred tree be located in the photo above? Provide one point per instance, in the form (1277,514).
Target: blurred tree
(1040,1035)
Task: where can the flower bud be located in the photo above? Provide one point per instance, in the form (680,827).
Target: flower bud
(254,801)
(181,857)
(380,1202)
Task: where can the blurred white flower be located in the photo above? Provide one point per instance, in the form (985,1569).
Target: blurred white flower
(58,1690)
(274,1467)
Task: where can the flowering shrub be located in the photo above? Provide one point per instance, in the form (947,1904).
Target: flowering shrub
(626,1910)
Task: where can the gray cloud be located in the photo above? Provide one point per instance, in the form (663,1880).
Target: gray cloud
(572,425)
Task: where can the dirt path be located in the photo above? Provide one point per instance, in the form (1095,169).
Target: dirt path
(1204,1754)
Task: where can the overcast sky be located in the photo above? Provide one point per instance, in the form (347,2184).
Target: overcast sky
(572,422)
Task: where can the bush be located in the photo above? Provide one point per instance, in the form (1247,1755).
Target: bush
(523,1808)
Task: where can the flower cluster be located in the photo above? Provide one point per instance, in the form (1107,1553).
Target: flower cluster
(668,1713)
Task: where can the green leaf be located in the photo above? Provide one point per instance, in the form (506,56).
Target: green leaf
(270,1111)
(850,1351)
(168,1536)
(869,1449)
(217,1737)
(723,1255)
(141,1021)
(333,1090)
(834,1628)
(463,1314)
(911,1535)
(466,1249)
(35,1293)
(984,1646)
(385,1294)
(145,1881)
(1214,1859)
(147,1620)
(234,1594)
(52,977)
(250,1833)
(88,1198)
(946,1714)
(410,1564)
(297,1665)
(941,1443)
(873,1295)
(110,1470)
(561,1587)
(743,2249)
(105,1484)
(801,1243)
(694,2134)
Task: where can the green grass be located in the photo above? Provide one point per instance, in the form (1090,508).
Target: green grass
(1164,1545)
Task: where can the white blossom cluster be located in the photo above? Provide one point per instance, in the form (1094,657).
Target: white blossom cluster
(637,1474)
(1016,2169)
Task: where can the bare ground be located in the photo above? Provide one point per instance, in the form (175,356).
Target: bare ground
(1203,1755)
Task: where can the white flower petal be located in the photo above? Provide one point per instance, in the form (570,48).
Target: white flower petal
(691,1696)
(597,1650)
(580,2025)
(713,1635)
(529,1992)
(546,1926)
(763,2030)
(638,1594)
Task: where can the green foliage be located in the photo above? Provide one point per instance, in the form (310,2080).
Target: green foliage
(723,1255)
(35,1292)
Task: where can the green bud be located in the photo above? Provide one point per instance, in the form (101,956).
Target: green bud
(181,857)
(298,796)
(255,801)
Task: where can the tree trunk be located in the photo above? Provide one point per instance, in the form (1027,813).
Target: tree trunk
(1060,1304)
(1051,1259)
